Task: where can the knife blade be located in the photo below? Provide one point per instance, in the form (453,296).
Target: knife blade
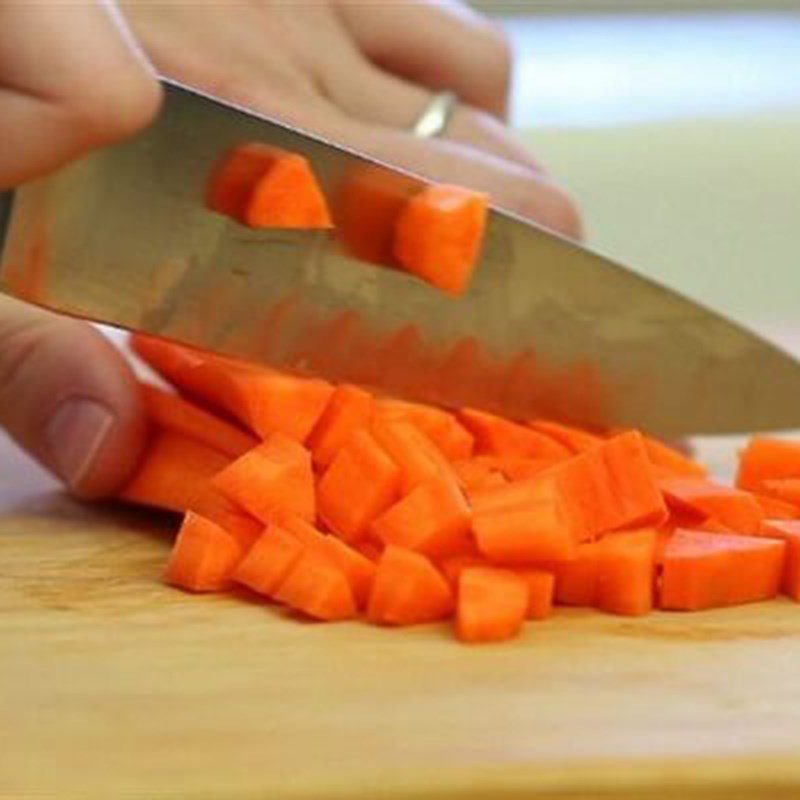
(547,328)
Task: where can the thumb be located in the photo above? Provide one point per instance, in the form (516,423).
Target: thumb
(68,398)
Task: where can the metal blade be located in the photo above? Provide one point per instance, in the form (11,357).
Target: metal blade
(547,327)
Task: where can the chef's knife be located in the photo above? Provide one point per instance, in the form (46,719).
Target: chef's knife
(547,327)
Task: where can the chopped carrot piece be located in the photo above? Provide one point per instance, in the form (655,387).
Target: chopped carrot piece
(574,439)
(408,590)
(360,484)
(204,556)
(710,570)
(672,461)
(733,508)
(472,473)
(265,187)
(369,548)
(520,469)
(789,532)
(767,459)
(210,503)
(511,496)
(453,566)
(576,580)
(356,567)
(439,233)
(785,489)
(492,604)
(173,413)
(499,437)
(416,456)
(541,587)
(454,441)
(350,409)
(318,588)
(433,519)
(773,508)
(172,471)
(268,561)
(625,573)
(273,481)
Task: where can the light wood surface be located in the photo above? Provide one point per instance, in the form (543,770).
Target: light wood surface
(112,685)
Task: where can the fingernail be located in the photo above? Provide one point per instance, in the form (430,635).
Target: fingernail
(74,436)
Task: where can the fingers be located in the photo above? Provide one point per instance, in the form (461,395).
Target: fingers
(68,398)
(70,79)
(440,44)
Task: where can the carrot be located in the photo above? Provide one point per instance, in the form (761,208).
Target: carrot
(767,459)
(773,508)
(268,561)
(204,556)
(574,439)
(710,570)
(358,486)
(439,234)
(520,469)
(786,490)
(265,187)
(499,437)
(672,461)
(357,568)
(271,482)
(789,532)
(492,604)
(733,508)
(453,566)
(416,456)
(174,468)
(472,473)
(433,519)
(541,587)
(173,413)
(210,503)
(408,590)
(350,409)
(318,588)
(454,441)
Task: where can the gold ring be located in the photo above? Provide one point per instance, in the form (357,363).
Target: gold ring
(433,120)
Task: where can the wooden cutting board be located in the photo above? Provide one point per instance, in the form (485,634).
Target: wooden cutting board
(113,685)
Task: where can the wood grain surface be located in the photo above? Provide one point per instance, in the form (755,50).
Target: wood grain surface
(113,685)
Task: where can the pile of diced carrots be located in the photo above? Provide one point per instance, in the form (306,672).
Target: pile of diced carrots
(338,505)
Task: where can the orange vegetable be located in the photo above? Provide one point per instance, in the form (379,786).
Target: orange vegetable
(408,590)
(472,473)
(788,532)
(268,561)
(360,484)
(453,566)
(709,570)
(318,588)
(204,556)
(499,437)
(350,409)
(439,233)
(210,503)
(773,508)
(672,461)
(767,459)
(433,519)
(173,413)
(265,187)
(786,490)
(574,439)
(541,588)
(735,509)
(173,470)
(271,482)
(492,604)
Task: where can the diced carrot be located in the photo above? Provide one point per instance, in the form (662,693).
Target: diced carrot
(672,461)
(265,187)
(210,503)
(625,573)
(576,580)
(713,525)
(439,233)
(358,486)
(663,535)
(541,588)
(492,604)
(174,413)
(735,509)
(273,481)
(204,556)
(789,532)
(355,566)
(772,508)
(369,548)
(433,519)
(767,459)
(511,496)
(520,469)
(494,480)
(710,570)
(454,441)
(318,588)
(408,590)
(785,489)
(349,410)
(574,439)
(499,437)
(174,468)
(416,456)
(453,566)
(473,472)
(269,560)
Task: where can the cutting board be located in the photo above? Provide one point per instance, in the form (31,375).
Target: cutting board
(112,684)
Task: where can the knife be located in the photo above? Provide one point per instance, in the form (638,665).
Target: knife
(547,327)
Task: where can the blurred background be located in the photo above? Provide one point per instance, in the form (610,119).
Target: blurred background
(677,126)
